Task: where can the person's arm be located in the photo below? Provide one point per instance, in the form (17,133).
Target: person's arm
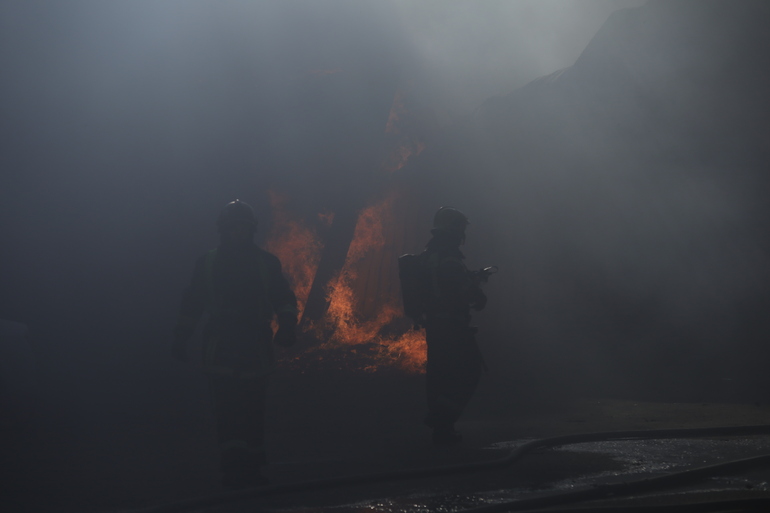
(458,287)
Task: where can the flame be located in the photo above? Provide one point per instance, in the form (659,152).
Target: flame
(297,246)
(403,348)
(408,350)
(368,236)
(364,322)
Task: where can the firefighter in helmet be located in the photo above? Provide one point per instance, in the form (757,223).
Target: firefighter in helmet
(454,361)
(241,289)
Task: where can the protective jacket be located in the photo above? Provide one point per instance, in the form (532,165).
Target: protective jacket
(241,290)
(454,290)
(454,361)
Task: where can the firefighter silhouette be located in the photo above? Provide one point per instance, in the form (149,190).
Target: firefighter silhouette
(454,362)
(242,289)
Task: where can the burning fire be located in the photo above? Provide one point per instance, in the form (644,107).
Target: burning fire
(364,320)
(349,327)
(383,339)
(297,246)
(368,237)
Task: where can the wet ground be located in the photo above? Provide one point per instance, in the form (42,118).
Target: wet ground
(107,453)
(551,472)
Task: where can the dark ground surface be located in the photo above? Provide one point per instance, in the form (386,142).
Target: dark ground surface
(100,455)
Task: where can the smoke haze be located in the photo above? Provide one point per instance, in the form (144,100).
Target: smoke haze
(611,155)
(126,126)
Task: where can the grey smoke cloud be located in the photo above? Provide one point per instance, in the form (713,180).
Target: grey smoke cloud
(469,51)
(127,124)
(124,122)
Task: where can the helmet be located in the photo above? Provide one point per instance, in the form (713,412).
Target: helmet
(450,220)
(236,212)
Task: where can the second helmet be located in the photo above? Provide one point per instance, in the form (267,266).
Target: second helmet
(236,212)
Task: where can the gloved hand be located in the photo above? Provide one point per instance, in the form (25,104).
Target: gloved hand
(286,336)
(179,349)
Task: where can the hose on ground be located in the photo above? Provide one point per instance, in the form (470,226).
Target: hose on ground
(629,488)
(498,463)
(759,504)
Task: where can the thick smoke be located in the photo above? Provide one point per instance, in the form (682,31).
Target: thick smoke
(466,52)
(632,184)
(614,171)
(127,125)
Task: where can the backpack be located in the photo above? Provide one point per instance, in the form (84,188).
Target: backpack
(416,286)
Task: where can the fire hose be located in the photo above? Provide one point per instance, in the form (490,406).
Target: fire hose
(597,493)
(732,506)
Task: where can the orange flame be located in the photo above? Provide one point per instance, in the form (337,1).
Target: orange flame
(368,236)
(363,320)
(297,246)
(405,349)
(299,249)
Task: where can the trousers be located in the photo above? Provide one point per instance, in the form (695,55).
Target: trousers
(453,371)
(239,410)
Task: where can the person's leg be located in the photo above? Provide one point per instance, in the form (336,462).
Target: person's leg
(443,406)
(239,406)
